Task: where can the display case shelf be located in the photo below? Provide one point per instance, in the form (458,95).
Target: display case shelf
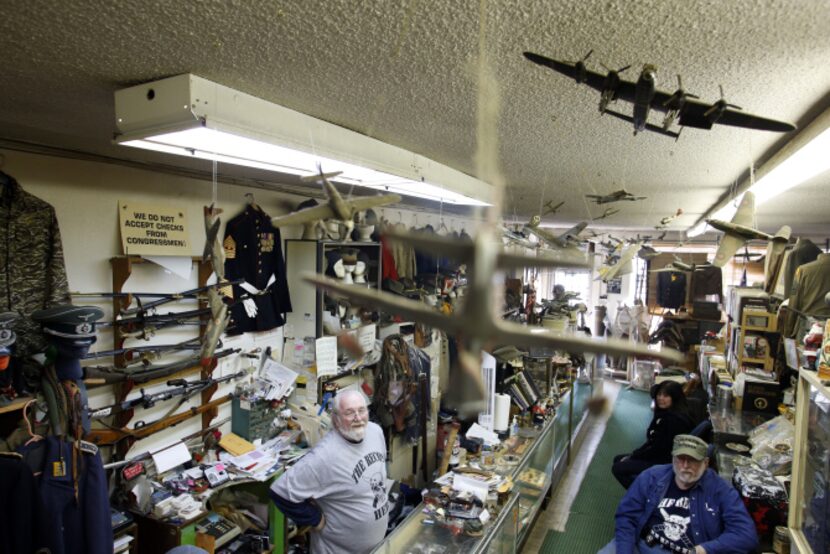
(809,517)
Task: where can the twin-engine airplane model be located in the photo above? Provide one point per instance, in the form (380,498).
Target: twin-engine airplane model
(679,106)
(616,196)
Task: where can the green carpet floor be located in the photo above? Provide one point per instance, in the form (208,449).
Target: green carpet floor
(591,522)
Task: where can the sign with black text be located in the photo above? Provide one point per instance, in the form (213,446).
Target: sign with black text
(153,230)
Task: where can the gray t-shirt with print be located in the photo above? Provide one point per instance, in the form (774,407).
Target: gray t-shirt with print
(348,482)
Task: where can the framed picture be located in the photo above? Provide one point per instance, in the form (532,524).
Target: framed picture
(614,286)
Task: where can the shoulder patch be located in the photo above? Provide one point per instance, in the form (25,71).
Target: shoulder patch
(88,448)
(230,247)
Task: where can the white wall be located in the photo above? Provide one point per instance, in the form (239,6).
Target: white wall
(85,196)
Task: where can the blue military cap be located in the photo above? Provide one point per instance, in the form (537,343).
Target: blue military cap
(7,336)
(69,321)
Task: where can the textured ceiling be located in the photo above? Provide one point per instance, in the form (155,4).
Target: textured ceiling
(408,73)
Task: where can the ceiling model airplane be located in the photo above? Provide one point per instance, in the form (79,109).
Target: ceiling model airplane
(738,231)
(679,106)
(623,265)
(550,209)
(616,196)
(568,239)
(335,208)
(476,322)
(668,219)
(647,252)
(607,213)
(680,265)
(517,238)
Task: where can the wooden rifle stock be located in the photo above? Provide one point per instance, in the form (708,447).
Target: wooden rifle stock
(109,437)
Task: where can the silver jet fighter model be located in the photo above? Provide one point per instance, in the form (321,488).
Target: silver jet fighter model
(476,324)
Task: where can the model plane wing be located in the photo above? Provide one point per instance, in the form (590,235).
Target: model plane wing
(522,336)
(729,244)
(693,114)
(387,302)
(306,215)
(366,202)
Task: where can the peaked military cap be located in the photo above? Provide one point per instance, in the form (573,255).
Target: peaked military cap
(7,336)
(69,321)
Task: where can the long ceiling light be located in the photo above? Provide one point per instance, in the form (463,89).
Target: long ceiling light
(800,160)
(193,117)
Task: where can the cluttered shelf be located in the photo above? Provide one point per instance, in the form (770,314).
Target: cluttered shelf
(14,405)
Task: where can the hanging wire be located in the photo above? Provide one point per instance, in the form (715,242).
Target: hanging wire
(215,183)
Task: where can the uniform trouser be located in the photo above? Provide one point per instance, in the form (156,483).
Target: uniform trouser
(625,471)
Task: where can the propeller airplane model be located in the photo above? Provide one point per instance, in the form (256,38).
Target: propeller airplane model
(475,322)
(616,196)
(738,231)
(607,213)
(336,207)
(551,209)
(568,239)
(664,221)
(679,106)
(623,265)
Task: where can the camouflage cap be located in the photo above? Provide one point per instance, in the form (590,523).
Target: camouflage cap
(69,321)
(690,445)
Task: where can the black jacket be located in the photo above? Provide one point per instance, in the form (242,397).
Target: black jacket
(253,251)
(664,426)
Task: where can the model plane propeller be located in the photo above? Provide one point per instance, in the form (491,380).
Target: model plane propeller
(616,196)
(679,106)
(475,323)
(335,208)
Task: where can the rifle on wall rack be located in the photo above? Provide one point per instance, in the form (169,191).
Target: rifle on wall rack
(189,344)
(179,388)
(111,437)
(99,376)
(166,299)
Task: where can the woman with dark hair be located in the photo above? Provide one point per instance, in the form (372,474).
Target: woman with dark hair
(671,417)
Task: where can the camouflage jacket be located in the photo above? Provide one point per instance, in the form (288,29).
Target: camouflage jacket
(32,270)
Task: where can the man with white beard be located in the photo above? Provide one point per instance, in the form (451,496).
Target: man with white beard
(682,507)
(339,487)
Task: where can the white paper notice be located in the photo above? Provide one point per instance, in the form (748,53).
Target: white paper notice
(465,484)
(280,377)
(171,457)
(178,265)
(326,350)
(366,337)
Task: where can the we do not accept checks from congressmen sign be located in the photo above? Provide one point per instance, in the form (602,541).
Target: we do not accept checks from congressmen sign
(153,230)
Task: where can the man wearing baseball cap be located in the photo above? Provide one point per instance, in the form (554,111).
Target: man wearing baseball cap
(682,507)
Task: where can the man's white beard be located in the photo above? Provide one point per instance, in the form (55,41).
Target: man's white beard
(355,434)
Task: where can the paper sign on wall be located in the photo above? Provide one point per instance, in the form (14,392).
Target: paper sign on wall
(326,353)
(153,229)
(366,337)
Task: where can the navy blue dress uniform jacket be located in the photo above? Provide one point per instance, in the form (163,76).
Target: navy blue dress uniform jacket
(253,251)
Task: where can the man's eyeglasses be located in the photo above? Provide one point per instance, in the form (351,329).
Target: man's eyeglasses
(349,414)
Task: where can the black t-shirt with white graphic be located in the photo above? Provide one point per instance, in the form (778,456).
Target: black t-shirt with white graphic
(668,526)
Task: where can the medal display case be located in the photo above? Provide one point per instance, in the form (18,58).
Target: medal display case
(809,517)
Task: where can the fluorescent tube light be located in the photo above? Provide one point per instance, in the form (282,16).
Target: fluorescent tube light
(193,117)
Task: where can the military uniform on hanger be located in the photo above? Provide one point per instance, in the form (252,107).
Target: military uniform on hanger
(32,270)
(810,284)
(253,252)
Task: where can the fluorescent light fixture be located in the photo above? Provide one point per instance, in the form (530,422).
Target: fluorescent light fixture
(798,164)
(196,118)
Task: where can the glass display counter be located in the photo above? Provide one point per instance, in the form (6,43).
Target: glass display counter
(533,476)
(809,517)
